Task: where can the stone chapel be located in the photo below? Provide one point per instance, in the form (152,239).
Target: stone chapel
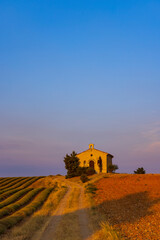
(96,159)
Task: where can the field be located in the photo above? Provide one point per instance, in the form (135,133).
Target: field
(108,207)
(19,199)
(131,204)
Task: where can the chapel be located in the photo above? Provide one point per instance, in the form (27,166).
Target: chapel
(96,159)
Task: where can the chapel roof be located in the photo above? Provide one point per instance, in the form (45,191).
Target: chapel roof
(91,146)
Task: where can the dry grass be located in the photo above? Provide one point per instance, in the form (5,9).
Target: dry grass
(68,227)
(101,229)
(97,222)
(106,232)
(92,178)
(45,182)
(125,206)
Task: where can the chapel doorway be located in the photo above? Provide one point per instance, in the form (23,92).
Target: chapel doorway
(91,164)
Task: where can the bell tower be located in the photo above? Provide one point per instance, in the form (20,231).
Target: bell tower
(91,146)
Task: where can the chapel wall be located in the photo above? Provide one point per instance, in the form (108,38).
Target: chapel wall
(93,155)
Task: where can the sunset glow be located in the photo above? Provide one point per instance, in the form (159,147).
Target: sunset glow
(76,73)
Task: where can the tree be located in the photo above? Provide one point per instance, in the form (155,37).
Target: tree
(71,164)
(100,164)
(140,171)
(112,168)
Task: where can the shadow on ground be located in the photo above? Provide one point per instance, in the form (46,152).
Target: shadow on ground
(128,209)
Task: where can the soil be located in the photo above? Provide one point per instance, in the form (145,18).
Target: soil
(131,204)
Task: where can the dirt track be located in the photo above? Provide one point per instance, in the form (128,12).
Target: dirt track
(70,219)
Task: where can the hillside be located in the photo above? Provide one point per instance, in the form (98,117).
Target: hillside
(131,204)
(108,206)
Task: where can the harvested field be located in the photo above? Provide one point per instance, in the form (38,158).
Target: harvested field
(131,204)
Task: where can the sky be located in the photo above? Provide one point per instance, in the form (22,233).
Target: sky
(79,72)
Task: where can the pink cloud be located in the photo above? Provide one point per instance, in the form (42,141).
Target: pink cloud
(154,147)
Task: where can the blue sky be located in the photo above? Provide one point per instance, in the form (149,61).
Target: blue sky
(76,72)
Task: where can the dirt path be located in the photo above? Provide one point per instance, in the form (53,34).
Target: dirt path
(50,229)
(70,220)
(83,217)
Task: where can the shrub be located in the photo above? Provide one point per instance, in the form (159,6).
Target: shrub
(14,197)
(11,208)
(18,216)
(85,170)
(90,171)
(13,183)
(91,188)
(140,171)
(8,181)
(8,193)
(112,168)
(21,185)
(5,179)
(81,170)
(70,175)
(84,178)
